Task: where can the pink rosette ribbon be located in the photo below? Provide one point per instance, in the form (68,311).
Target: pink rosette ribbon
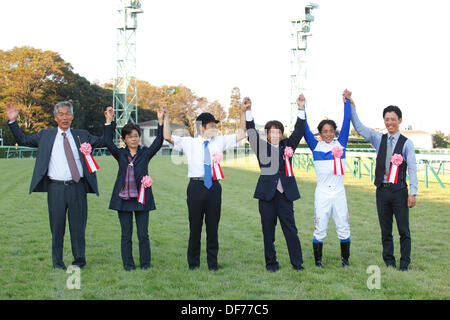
(288,153)
(337,153)
(396,161)
(86,150)
(217,158)
(146,182)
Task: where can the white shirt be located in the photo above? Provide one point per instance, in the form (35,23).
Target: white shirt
(325,168)
(58,168)
(193,148)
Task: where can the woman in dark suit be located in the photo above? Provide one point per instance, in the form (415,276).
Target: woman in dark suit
(277,188)
(133,166)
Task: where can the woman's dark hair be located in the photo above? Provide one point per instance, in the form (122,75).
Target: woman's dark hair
(128,128)
(274,123)
(393,109)
(324,122)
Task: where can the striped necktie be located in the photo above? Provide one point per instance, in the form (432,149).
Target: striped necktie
(70,159)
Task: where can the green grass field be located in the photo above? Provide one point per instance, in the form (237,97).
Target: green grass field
(26,270)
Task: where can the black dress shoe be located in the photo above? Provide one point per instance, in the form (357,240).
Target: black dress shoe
(403,268)
(128,268)
(80,263)
(213,268)
(273,268)
(193,267)
(392,265)
(60,267)
(300,268)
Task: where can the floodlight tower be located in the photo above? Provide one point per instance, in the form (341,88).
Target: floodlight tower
(300,31)
(125,86)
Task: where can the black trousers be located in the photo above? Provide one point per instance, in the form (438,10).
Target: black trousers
(282,208)
(71,200)
(201,203)
(126,245)
(394,203)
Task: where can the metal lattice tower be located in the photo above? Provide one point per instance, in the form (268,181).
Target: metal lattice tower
(300,31)
(125,86)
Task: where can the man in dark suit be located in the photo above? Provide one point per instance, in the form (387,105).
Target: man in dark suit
(392,195)
(277,188)
(61,171)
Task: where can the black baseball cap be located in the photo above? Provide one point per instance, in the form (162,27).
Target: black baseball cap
(206,118)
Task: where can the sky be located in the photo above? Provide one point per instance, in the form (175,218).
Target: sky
(386,52)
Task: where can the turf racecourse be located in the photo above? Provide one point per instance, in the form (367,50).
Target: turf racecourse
(25,243)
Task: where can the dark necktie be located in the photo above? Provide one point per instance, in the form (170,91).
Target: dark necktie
(70,159)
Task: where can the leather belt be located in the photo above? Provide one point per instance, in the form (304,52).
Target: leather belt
(197,179)
(66,183)
(387,184)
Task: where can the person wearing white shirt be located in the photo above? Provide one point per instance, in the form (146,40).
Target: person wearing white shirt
(204,194)
(61,171)
(58,169)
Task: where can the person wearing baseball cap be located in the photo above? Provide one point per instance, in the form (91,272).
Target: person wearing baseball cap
(204,192)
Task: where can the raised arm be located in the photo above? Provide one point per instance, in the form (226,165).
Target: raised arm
(99,141)
(241,134)
(370,135)
(157,143)
(167,133)
(309,137)
(108,133)
(345,129)
(253,135)
(21,138)
(299,128)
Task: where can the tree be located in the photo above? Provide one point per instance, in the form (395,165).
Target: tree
(35,80)
(149,98)
(216,109)
(29,80)
(440,140)
(354,133)
(89,101)
(183,105)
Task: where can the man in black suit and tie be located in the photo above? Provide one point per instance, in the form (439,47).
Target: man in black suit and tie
(277,188)
(61,171)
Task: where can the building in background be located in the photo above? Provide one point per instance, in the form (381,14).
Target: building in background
(421,139)
(149,128)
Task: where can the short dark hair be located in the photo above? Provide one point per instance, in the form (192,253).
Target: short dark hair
(128,128)
(274,123)
(324,122)
(393,109)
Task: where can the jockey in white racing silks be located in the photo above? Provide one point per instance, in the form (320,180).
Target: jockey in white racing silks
(330,199)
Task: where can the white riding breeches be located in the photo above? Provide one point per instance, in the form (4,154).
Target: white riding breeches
(331,200)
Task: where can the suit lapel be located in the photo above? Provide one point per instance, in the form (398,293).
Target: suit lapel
(51,141)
